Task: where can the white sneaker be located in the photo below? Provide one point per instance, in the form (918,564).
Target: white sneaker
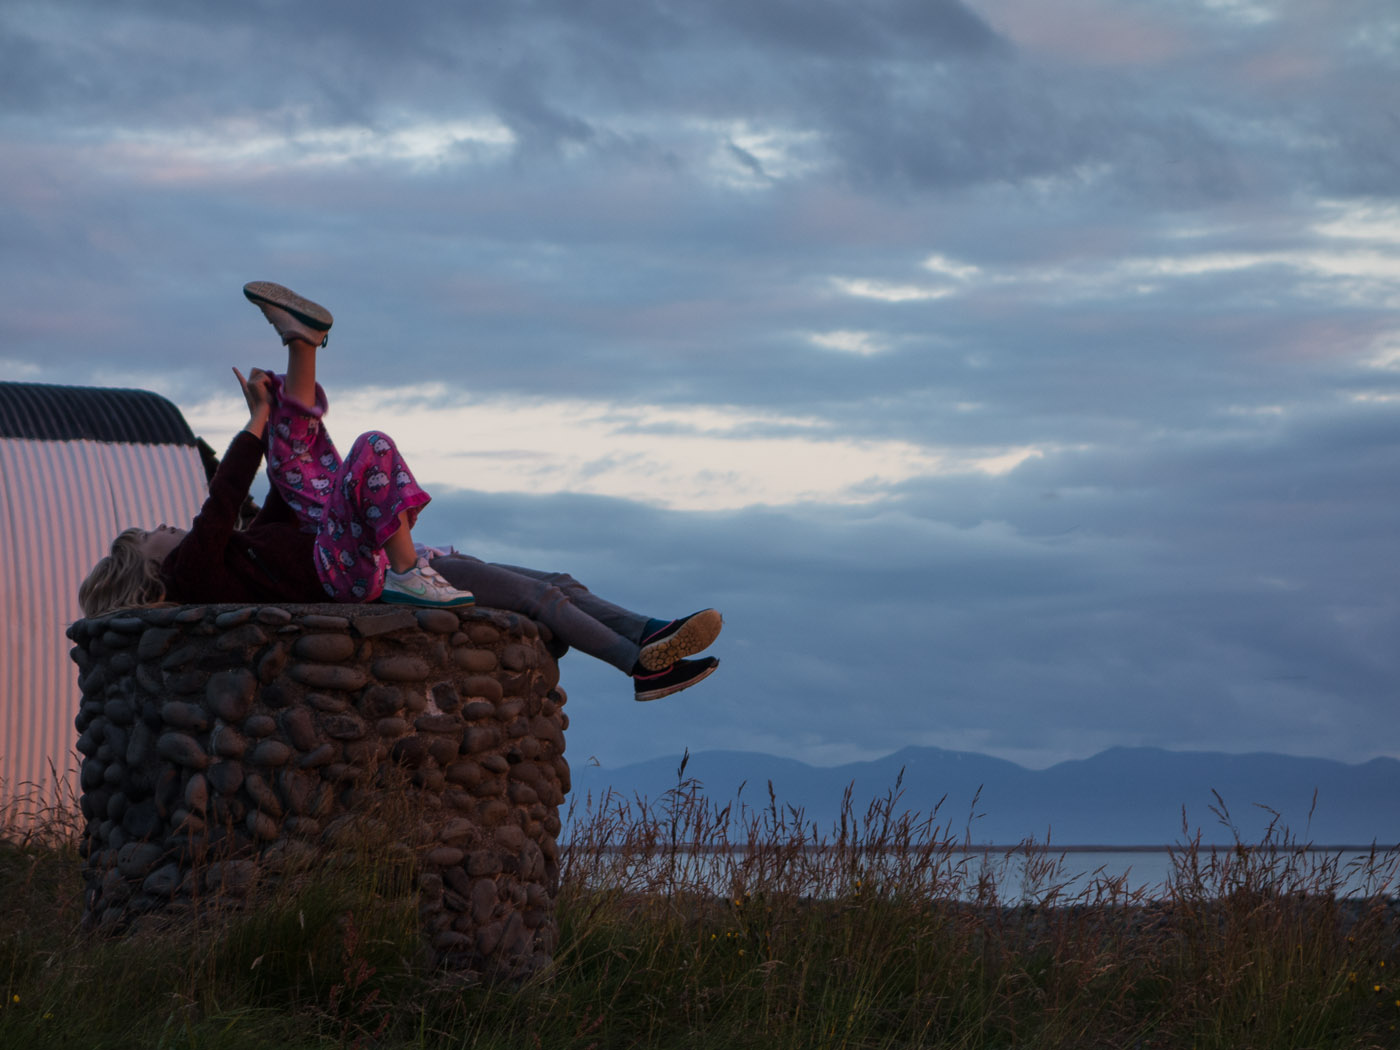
(423,585)
(292,316)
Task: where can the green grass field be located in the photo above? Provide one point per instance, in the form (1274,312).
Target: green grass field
(875,933)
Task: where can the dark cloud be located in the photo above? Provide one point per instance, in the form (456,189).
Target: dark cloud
(1201,556)
(1209,600)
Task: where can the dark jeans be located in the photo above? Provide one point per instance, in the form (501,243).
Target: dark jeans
(576,615)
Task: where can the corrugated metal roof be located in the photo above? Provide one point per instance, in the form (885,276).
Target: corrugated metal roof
(79,464)
(45,412)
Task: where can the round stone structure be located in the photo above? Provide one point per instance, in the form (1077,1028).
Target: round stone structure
(219,742)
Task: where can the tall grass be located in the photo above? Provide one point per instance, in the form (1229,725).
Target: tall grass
(690,923)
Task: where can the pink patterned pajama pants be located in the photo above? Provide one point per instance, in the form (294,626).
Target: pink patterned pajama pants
(352,504)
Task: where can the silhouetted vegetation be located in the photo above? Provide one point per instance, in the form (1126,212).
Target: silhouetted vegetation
(878,932)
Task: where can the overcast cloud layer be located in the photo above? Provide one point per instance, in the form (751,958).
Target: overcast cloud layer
(1016,377)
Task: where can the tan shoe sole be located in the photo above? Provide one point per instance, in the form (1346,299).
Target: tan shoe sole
(313,315)
(694,636)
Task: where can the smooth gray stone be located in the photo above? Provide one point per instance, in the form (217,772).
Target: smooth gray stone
(180,714)
(225,777)
(261,826)
(140,745)
(481,686)
(197,793)
(400,669)
(438,621)
(330,704)
(391,728)
(381,700)
(300,728)
(474,661)
(120,710)
(244,638)
(264,798)
(478,709)
(477,739)
(324,648)
(322,756)
(164,881)
(328,676)
(370,626)
(227,742)
(270,753)
(182,749)
(484,900)
(233,618)
(343,727)
(135,859)
(321,622)
(483,862)
(229,694)
(438,724)
(155,642)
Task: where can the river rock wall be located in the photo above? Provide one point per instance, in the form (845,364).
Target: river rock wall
(221,743)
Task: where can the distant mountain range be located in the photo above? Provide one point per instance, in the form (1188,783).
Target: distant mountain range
(1122,796)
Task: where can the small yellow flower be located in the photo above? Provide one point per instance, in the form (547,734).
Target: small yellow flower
(14,998)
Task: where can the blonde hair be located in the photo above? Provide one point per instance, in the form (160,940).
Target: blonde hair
(125,577)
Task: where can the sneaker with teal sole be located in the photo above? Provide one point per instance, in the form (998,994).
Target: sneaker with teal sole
(423,586)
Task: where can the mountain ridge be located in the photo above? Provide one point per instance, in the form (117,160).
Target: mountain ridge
(1119,796)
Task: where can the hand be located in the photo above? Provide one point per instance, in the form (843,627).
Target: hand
(257,391)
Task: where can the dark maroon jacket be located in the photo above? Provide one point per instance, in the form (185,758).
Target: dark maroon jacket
(270,561)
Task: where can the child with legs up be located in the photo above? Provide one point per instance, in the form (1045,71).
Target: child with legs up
(331,527)
(340,528)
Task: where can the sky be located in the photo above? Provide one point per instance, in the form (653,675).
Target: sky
(1016,377)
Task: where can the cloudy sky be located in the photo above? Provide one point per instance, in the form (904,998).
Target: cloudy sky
(1018,377)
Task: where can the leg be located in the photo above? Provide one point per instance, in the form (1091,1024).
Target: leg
(399,546)
(301,371)
(661,642)
(302,461)
(621,621)
(373,497)
(631,642)
(557,601)
(303,326)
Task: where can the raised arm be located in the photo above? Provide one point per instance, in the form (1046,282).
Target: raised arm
(257,391)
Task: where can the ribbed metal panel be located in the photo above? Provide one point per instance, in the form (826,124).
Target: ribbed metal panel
(61,502)
(44,412)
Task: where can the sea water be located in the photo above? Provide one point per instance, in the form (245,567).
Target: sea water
(1151,872)
(1021,875)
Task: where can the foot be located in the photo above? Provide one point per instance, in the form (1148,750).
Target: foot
(680,675)
(422,585)
(295,318)
(684,637)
